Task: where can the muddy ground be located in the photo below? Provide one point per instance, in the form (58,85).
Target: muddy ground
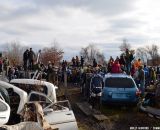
(120,117)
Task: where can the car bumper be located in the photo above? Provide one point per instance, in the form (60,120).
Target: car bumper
(120,101)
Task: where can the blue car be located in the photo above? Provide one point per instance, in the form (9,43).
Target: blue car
(120,89)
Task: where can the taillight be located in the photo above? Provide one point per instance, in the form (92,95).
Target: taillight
(138,93)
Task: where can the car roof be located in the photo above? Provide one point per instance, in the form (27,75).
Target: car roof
(32,82)
(8,85)
(117,75)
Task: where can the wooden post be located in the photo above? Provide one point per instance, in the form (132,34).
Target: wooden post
(65,83)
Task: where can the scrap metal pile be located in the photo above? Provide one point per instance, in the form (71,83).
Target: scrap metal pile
(37,109)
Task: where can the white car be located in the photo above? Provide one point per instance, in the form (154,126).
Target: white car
(4,112)
(29,85)
(57,114)
(18,97)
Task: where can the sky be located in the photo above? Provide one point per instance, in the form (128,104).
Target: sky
(74,24)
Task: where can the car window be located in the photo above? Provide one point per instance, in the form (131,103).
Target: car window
(39,98)
(119,83)
(3,107)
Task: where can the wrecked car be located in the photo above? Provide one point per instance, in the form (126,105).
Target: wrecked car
(4,112)
(29,85)
(17,96)
(16,100)
(57,114)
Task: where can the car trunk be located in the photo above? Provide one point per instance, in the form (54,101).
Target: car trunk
(122,93)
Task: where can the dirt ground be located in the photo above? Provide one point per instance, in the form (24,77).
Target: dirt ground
(120,117)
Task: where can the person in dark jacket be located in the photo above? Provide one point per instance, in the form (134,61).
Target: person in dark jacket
(122,60)
(31,58)
(82,61)
(77,61)
(96,85)
(110,63)
(25,59)
(128,58)
(141,77)
(73,61)
(94,63)
(1,64)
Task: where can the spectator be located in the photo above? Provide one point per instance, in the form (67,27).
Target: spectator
(77,61)
(96,86)
(122,60)
(31,58)
(49,71)
(146,71)
(73,61)
(138,63)
(25,59)
(111,59)
(141,77)
(128,59)
(110,63)
(116,68)
(94,63)
(152,75)
(11,72)
(64,66)
(1,63)
(158,73)
(6,65)
(133,70)
(82,61)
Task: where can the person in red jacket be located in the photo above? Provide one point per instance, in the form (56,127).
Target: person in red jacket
(116,68)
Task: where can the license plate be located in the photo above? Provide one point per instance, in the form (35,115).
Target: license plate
(120,95)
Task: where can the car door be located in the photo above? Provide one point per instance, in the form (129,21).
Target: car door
(4,112)
(39,97)
(55,114)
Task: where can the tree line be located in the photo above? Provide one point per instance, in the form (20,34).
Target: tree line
(14,51)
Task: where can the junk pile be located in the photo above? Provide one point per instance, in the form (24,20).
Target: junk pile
(20,110)
(33,118)
(151,103)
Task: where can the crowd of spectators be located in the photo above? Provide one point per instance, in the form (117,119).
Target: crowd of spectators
(78,72)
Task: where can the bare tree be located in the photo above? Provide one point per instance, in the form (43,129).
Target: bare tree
(149,53)
(142,54)
(14,52)
(84,53)
(125,45)
(100,58)
(153,53)
(91,52)
(53,54)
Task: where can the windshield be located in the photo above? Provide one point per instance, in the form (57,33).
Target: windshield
(119,83)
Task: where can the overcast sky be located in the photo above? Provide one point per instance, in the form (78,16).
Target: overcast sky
(77,23)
